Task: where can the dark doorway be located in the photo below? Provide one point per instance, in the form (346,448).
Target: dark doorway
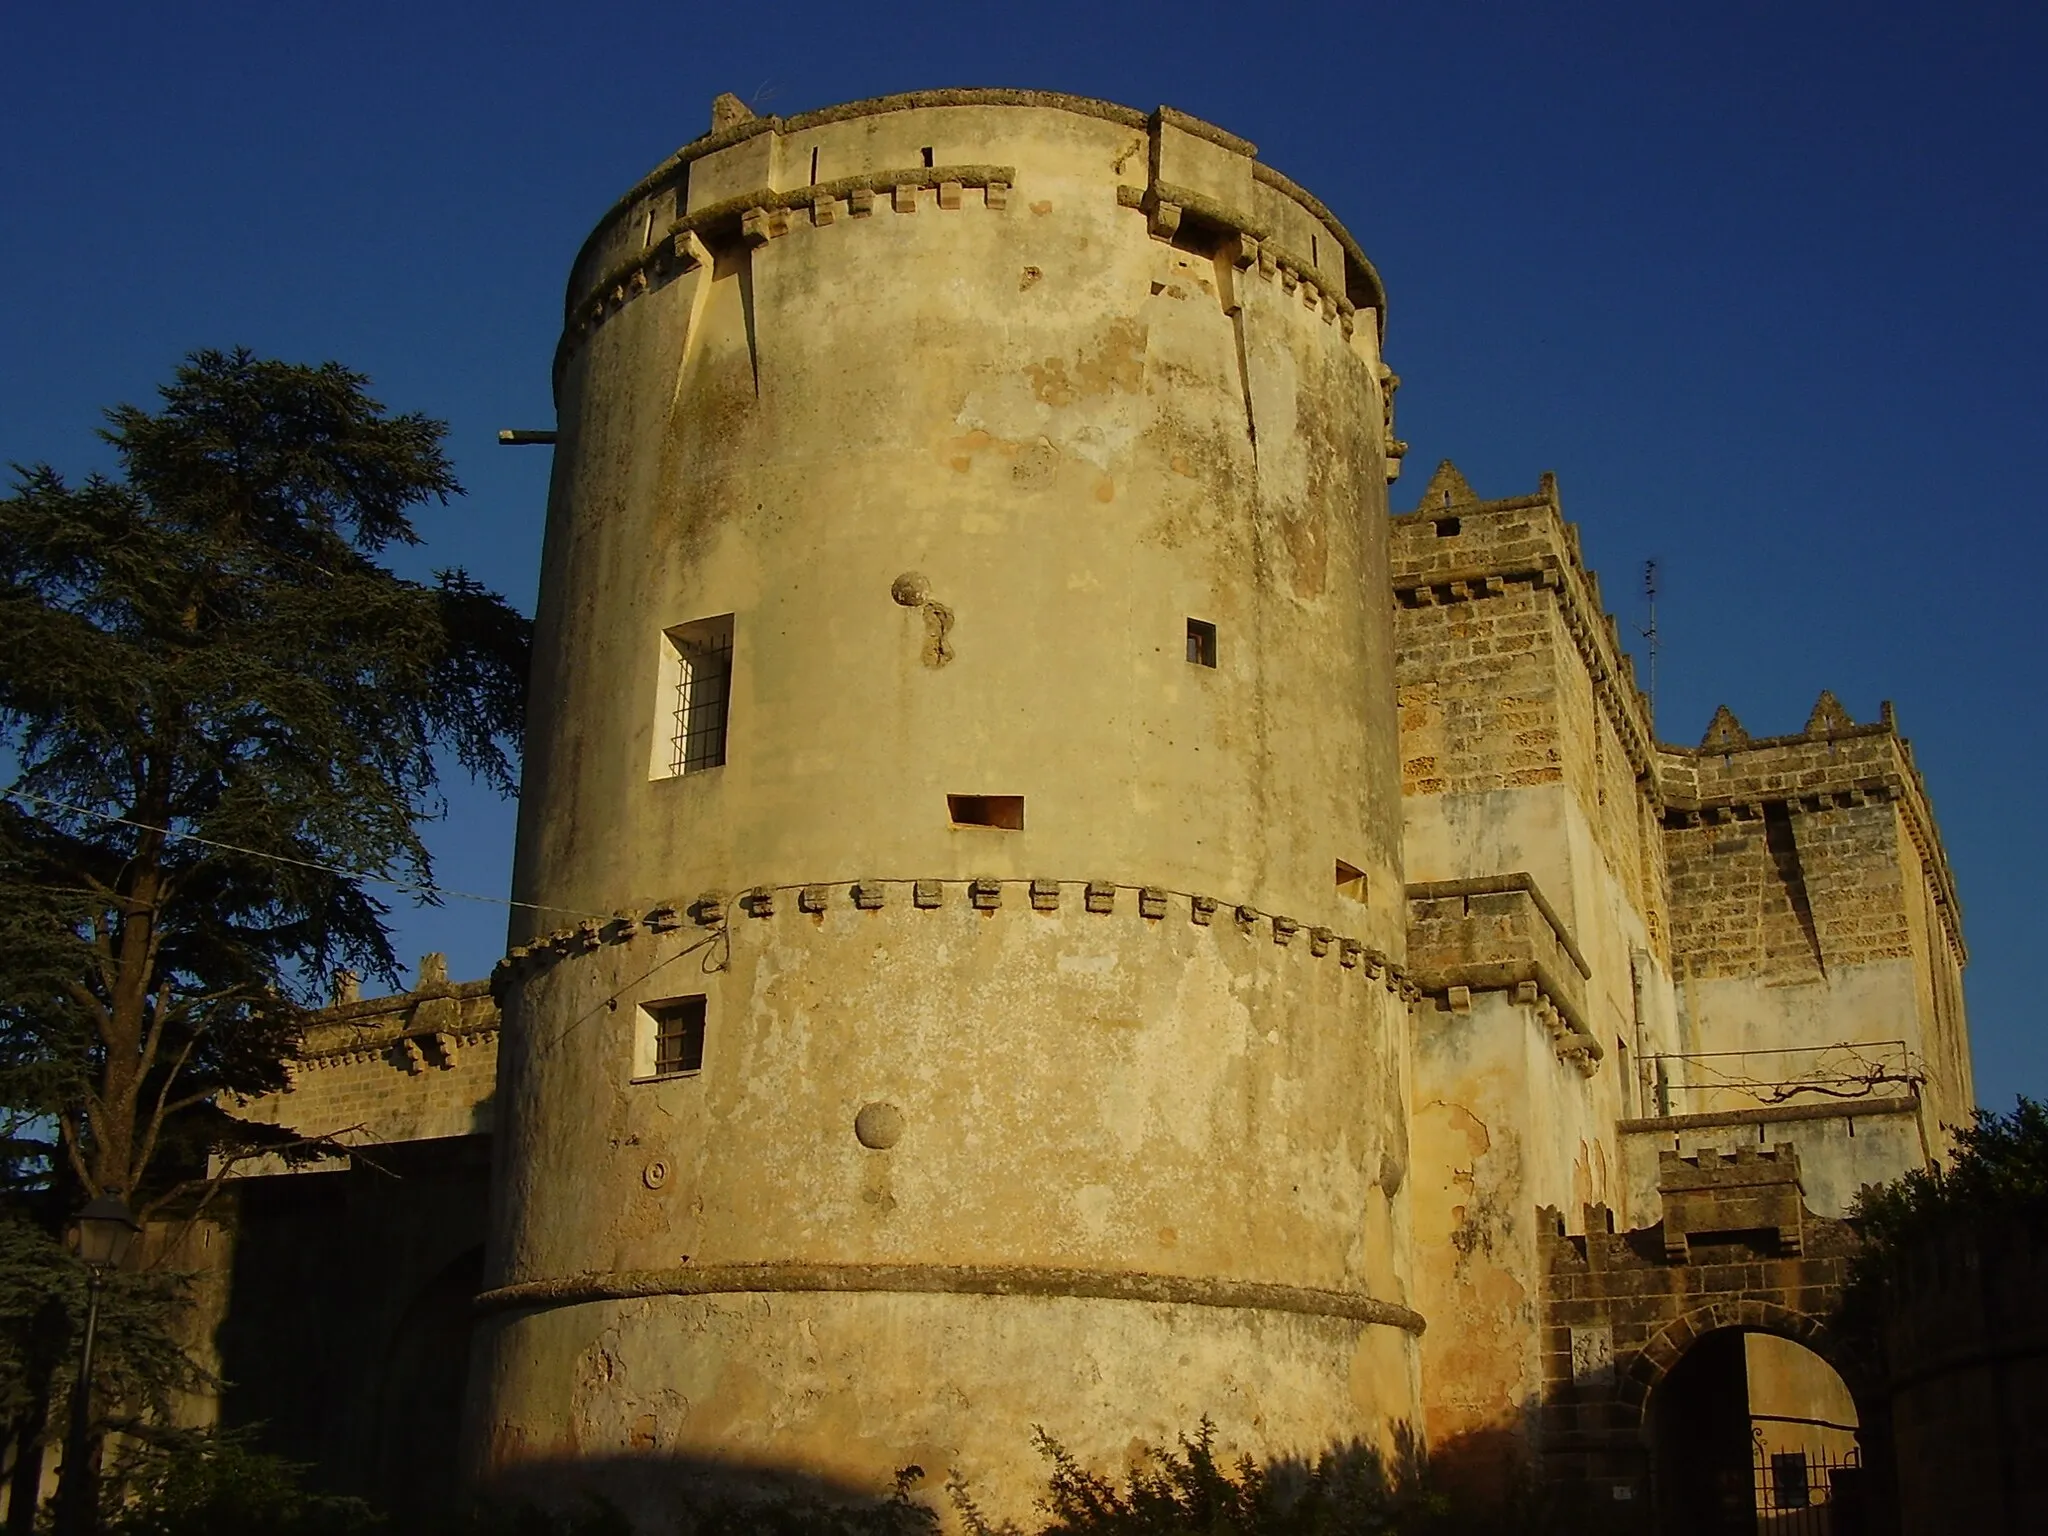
(419,1408)
(1755,1433)
(1699,1423)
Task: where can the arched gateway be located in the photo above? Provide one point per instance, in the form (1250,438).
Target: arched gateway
(1701,1352)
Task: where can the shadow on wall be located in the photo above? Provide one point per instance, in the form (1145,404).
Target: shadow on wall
(1350,1487)
(1485,1480)
(345,1341)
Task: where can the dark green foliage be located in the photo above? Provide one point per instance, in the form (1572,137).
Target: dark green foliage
(898,1515)
(208,645)
(1999,1175)
(42,1316)
(1347,1491)
(215,1485)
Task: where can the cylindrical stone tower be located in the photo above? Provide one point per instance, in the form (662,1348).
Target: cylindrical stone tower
(964,669)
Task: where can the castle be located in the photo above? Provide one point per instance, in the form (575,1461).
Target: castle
(1047,905)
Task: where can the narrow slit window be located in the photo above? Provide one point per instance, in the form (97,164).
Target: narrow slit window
(1003,811)
(699,694)
(673,1032)
(1350,881)
(1201,643)
(814,167)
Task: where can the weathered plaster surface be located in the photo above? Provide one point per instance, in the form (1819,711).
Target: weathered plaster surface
(962,408)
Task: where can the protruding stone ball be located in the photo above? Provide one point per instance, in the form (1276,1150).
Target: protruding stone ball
(1393,1173)
(910,589)
(878,1126)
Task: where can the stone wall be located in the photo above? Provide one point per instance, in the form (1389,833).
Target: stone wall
(412,1067)
(1812,908)
(1737,1250)
(1967,1343)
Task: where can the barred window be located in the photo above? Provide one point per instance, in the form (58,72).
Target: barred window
(697,697)
(672,1033)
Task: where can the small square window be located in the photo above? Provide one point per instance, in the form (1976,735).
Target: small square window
(1201,643)
(1350,881)
(672,1037)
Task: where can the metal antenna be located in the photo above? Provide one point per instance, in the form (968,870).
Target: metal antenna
(1649,631)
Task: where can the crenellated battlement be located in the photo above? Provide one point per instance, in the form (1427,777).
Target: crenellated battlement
(416,1066)
(1456,547)
(752,179)
(1833,764)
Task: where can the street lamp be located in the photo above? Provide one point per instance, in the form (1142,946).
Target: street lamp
(106,1231)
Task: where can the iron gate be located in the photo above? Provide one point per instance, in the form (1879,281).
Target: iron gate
(1807,1492)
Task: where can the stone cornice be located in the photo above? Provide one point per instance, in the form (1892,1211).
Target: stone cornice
(1772,1114)
(1591,628)
(1476,935)
(753,216)
(635,273)
(714,915)
(1878,768)
(951,1280)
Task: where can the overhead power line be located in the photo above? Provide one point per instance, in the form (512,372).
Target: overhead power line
(279,858)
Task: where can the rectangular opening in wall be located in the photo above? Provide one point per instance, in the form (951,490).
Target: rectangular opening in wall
(671,1040)
(1790,1486)
(1350,881)
(1447,527)
(1201,643)
(1004,811)
(696,696)
(927,152)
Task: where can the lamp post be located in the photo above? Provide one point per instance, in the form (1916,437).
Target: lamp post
(106,1231)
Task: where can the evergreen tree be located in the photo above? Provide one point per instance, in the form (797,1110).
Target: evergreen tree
(217,698)
(217,706)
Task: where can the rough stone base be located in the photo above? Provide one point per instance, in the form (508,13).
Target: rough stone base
(659,1403)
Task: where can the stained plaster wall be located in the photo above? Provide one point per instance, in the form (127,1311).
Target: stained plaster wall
(962,452)
(1812,907)
(1841,1148)
(1523,743)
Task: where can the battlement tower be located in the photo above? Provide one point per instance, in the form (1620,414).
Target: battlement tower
(964,661)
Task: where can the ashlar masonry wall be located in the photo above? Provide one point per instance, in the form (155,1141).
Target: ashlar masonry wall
(1815,921)
(1537,932)
(418,1066)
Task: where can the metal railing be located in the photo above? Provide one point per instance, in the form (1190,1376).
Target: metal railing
(1710,1082)
(1808,1492)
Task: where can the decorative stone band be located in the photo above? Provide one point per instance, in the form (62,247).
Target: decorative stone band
(951,1280)
(1247,244)
(1774,1114)
(444,1016)
(762,214)
(1593,633)
(715,912)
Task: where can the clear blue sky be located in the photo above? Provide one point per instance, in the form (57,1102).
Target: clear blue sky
(1763,284)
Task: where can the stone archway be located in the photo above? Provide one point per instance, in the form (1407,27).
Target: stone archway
(1737,1250)
(420,1390)
(1668,1345)
(1751,1427)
